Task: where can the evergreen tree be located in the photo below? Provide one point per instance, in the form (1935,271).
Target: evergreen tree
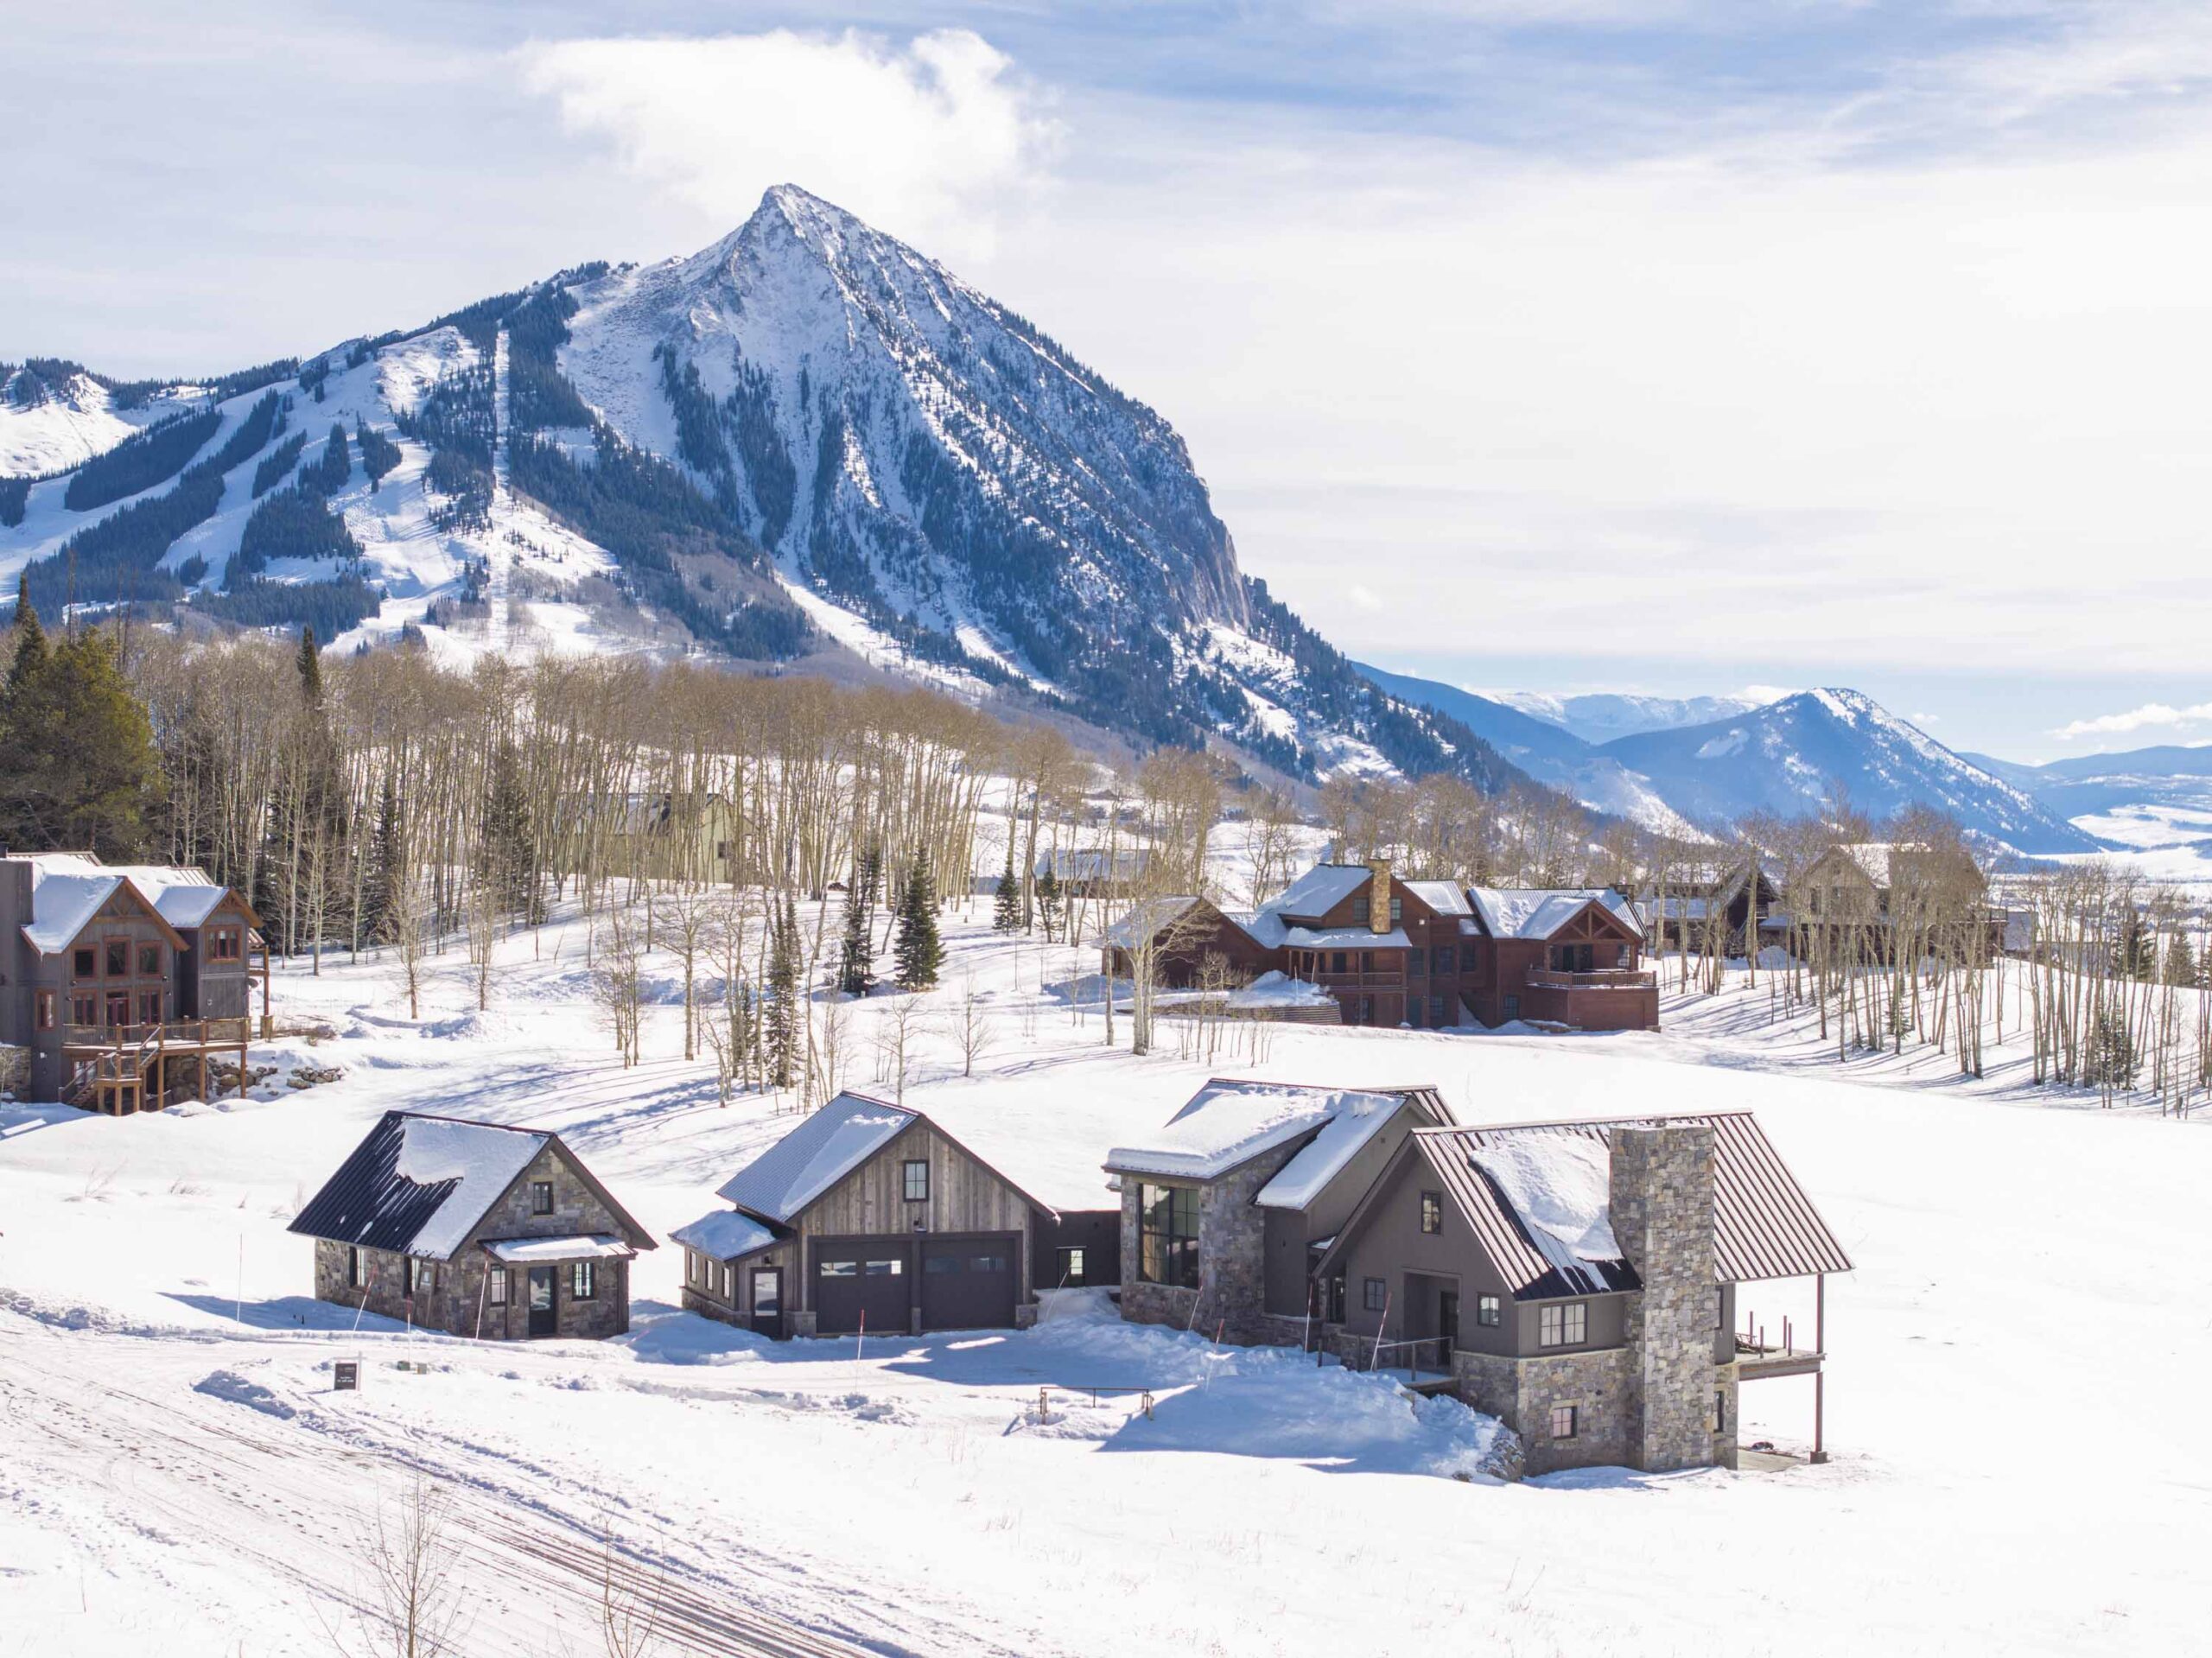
(920,951)
(1006,908)
(510,862)
(782,1011)
(2181,962)
(385,878)
(855,960)
(1048,903)
(309,663)
(2136,955)
(77,764)
(31,652)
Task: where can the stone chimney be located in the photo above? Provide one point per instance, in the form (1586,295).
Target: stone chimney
(1378,895)
(1661,1199)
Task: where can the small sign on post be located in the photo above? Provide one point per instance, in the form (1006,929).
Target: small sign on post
(346,1375)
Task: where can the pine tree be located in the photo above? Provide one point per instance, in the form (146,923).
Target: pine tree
(1048,903)
(77,764)
(782,1013)
(855,961)
(1006,908)
(386,879)
(309,663)
(31,651)
(2136,955)
(920,951)
(509,860)
(2181,962)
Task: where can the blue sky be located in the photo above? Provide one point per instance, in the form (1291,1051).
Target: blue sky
(1589,345)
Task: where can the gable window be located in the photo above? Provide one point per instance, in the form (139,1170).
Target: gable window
(82,962)
(1432,1212)
(917,1177)
(45,1010)
(583,1280)
(1374,1294)
(498,1283)
(353,1273)
(118,958)
(1363,910)
(541,1196)
(150,961)
(1487,1311)
(1397,910)
(1564,1324)
(1167,1236)
(1563,1423)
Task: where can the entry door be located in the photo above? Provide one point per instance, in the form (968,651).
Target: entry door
(544,1318)
(768,1302)
(118,1008)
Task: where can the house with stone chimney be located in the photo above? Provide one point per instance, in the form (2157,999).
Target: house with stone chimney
(1226,1207)
(1421,953)
(1578,1280)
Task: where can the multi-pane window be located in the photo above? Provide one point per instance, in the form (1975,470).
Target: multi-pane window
(1487,1311)
(45,1011)
(150,961)
(1167,1236)
(1397,910)
(1362,911)
(83,1010)
(1432,1212)
(1563,1325)
(1563,1421)
(1375,1294)
(1416,961)
(82,963)
(222,944)
(150,1007)
(1413,1012)
(1443,954)
(499,1287)
(1335,1312)
(583,1280)
(917,1173)
(541,1196)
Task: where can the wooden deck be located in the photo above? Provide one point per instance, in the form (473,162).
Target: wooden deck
(121,1068)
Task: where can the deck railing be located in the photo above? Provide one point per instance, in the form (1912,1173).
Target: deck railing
(1615,978)
(168,1033)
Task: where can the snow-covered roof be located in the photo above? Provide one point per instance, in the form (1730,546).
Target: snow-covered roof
(68,889)
(1872,858)
(724,1235)
(1445,897)
(421,1184)
(1321,888)
(1345,938)
(600,1246)
(816,1154)
(1146,920)
(1229,1122)
(1561,1187)
(1536,913)
(1300,1182)
(1092,863)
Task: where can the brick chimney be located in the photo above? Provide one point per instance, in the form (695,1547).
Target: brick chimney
(1378,895)
(1661,1199)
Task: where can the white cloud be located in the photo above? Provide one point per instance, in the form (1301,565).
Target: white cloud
(926,141)
(2149,716)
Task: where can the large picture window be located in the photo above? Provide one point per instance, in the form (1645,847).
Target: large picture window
(1567,1325)
(1167,1219)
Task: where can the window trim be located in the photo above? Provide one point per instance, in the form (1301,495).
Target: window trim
(1490,1312)
(356,1274)
(583,1280)
(541,1196)
(496,1283)
(1554,1322)
(149,960)
(108,947)
(1375,1295)
(1168,1255)
(906,1180)
(43,1004)
(1432,1213)
(1573,1414)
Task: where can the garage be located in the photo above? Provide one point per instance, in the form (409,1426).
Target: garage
(858,1280)
(970,1283)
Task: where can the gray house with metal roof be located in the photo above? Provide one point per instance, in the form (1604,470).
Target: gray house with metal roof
(1578,1279)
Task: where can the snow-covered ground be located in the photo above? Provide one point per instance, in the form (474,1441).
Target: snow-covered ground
(2019,1463)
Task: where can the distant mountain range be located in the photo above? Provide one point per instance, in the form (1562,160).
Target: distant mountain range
(1785,756)
(2144,797)
(1600,716)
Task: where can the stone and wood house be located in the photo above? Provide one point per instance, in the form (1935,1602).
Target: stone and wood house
(1424,954)
(868,1216)
(1578,1280)
(475,1228)
(1741,901)
(123,983)
(1224,1210)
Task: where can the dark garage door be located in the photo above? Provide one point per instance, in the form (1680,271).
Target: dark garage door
(862,1275)
(968,1283)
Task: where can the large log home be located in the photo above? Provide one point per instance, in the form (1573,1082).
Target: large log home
(1424,954)
(122,983)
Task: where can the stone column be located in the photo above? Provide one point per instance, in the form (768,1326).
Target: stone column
(1662,1208)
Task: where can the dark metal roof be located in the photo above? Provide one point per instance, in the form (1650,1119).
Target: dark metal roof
(1763,1225)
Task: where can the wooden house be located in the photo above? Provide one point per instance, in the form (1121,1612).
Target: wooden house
(1856,892)
(1224,1210)
(124,982)
(1563,956)
(475,1228)
(659,836)
(1741,901)
(1578,1280)
(869,1217)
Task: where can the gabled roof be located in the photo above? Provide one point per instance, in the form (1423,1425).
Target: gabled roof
(789,1177)
(1148,919)
(69,889)
(1526,1190)
(1445,897)
(420,1184)
(1231,1121)
(1537,912)
(725,1235)
(1320,889)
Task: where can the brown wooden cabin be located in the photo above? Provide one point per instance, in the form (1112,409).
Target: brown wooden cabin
(1417,953)
(122,982)
(475,1228)
(868,1217)
(1855,893)
(1742,901)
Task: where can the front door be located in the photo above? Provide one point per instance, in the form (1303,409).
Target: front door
(118,1008)
(544,1318)
(768,1302)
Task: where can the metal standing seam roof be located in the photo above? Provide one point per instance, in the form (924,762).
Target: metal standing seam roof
(1764,1225)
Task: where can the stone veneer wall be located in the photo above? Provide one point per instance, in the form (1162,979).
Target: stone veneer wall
(1521,1393)
(1231,1296)
(1661,1201)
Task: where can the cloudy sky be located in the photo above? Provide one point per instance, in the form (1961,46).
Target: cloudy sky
(1593,343)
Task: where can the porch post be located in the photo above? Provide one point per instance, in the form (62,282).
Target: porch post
(1820,1375)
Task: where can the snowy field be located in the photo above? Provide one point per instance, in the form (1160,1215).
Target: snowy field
(2019,1465)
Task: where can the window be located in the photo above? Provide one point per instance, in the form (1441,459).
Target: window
(82,963)
(839,1268)
(498,1282)
(1720,1409)
(1397,910)
(83,1010)
(767,1291)
(1510,1007)
(1374,1295)
(1362,911)
(1565,1325)
(1167,1236)
(45,1014)
(1721,1308)
(541,1196)
(917,1171)
(1436,1012)
(118,958)
(1336,960)
(1442,962)
(150,1007)
(421,1276)
(1466,957)
(150,961)
(353,1273)
(1622,959)
(730,1284)
(1367,961)
(891,1268)
(1563,1421)
(1432,1212)
(1486,1311)
(583,1280)
(1416,963)
(721,852)
(1071,1267)
(222,944)
(1413,1012)
(1335,1312)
